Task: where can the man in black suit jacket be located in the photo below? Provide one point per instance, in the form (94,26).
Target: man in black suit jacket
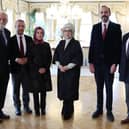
(124,72)
(104,55)
(20,46)
(4,67)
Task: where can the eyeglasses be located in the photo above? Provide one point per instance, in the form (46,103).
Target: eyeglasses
(67,30)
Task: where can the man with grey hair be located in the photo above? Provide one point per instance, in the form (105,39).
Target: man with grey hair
(68,57)
(4,67)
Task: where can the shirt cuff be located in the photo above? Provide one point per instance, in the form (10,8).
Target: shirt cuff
(16,59)
(57,63)
(70,65)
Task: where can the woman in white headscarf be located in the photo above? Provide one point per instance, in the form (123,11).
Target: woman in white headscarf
(68,57)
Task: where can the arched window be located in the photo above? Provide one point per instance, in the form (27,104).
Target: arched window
(10,19)
(85,29)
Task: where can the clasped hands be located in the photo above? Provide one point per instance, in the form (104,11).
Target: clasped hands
(63,68)
(22,61)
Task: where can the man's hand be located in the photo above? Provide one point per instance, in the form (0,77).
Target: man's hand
(21,61)
(42,70)
(91,67)
(113,68)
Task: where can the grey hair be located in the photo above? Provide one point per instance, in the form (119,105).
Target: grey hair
(70,26)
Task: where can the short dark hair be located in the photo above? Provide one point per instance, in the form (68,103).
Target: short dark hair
(104,6)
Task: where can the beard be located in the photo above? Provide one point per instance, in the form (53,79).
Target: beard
(104,18)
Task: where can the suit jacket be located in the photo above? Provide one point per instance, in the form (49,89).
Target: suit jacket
(105,51)
(15,53)
(4,53)
(124,63)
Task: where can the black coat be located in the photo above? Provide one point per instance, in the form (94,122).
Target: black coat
(15,53)
(40,56)
(124,64)
(68,82)
(105,51)
(4,54)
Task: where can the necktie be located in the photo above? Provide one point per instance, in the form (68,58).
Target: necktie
(21,47)
(104,32)
(3,37)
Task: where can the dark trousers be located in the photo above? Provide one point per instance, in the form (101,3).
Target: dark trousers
(68,107)
(4,78)
(18,79)
(103,76)
(39,101)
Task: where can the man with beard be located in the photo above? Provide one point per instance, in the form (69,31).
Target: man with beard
(19,48)
(4,67)
(104,56)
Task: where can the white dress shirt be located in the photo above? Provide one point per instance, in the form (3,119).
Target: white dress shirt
(106,23)
(127,45)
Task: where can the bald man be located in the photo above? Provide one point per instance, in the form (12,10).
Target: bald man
(4,67)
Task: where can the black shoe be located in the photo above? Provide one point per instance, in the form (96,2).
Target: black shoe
(125,121)
(67,116)
(43,112)
(18,112)
(37,113)
(1,121)
(97,113)
(4,116)
(110,116)
(27,110)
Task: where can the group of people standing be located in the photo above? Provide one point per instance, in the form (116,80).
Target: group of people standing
(29,62)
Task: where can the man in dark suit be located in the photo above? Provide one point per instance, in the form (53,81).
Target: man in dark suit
(4,69)
(19,46)
(104,55)
(124,72)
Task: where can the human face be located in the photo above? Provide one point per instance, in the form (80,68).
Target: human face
(105,14)
(39,34)
(3,20)
(67,33)
(20,27)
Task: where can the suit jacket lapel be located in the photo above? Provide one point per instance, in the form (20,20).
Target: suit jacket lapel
(63,45)
(67,47)
(100,30)
(125,43)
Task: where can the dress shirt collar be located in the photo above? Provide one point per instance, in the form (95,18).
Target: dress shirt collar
(107,23)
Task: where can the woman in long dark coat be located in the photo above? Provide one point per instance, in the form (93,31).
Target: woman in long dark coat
(68,57)
(40,61)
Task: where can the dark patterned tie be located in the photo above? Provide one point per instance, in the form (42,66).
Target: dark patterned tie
(21,47)
(104,32)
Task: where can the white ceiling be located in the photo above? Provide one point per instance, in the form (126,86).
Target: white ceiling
(70,0)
